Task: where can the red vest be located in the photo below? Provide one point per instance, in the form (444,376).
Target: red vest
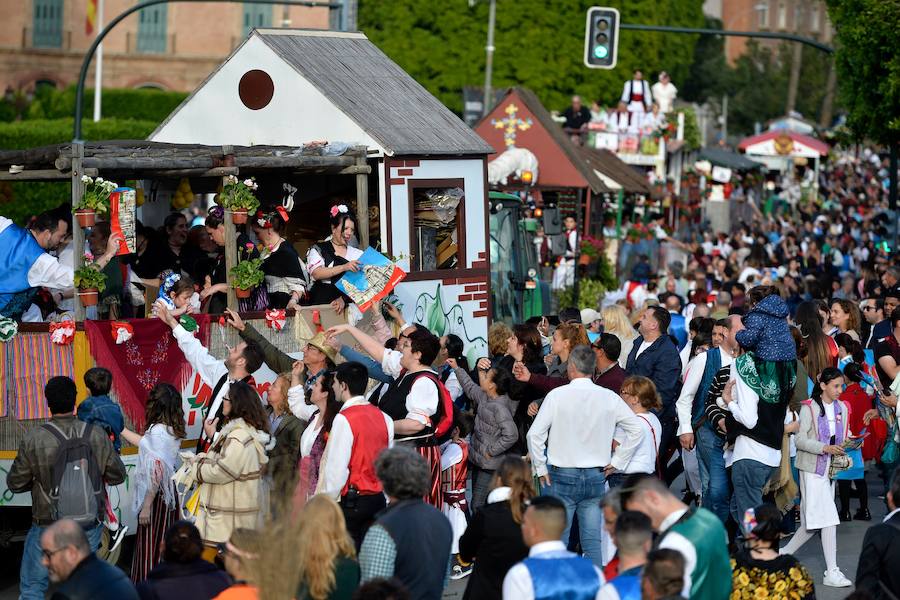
(370,437)
(453,479)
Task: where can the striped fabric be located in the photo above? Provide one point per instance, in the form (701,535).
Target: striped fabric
(148,543)
(32,359)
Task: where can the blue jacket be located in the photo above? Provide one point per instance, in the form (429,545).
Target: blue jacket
(677,327)
(662,365)
(102,411)
(766,331)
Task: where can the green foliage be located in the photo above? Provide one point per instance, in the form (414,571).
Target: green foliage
(868,63)
(758,85)
(239,194)
(90,276)
(692,139)
(708,74)
(141,104)
(247,274)
(590,291)
(33,198)
(539,44)
(96,194)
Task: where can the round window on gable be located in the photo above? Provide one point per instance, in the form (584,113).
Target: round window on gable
(256,89)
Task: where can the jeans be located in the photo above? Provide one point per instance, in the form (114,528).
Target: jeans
(581,491)
(714,483)
(33,577)
(748,477)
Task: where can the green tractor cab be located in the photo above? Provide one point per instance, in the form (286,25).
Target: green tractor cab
(517,292)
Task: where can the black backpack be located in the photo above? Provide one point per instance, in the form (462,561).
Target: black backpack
(77,485)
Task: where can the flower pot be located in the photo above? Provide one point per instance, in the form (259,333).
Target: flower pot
(239,216)
(242,293)
(89,297)
(86,217)
(584,259)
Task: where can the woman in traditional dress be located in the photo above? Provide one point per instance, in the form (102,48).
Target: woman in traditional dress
(312,442)
(215,277)
(155,499)
(823,429)
(286,278)
(329,259)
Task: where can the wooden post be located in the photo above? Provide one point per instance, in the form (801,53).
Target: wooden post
(77,232)
(362,199)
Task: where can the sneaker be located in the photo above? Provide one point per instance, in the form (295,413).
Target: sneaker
(834,578)
(460,570)
(117,537)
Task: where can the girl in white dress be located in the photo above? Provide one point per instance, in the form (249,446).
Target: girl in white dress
(823,428)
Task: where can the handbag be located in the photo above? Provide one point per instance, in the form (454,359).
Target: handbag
(856,469)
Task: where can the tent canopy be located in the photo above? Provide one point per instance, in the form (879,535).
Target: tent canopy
(729,159)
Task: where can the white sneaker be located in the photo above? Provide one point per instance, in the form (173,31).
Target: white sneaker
(834,578)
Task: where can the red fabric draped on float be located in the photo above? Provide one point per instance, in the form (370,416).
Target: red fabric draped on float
(150,357)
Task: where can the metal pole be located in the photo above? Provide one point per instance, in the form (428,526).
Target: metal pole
(489,60)
(86,63)
(98,71)
(770,35)
(725,118)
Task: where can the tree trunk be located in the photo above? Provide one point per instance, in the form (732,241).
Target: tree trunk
(796,62)
(828,101)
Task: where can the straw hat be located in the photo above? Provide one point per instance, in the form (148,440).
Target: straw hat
(318,342)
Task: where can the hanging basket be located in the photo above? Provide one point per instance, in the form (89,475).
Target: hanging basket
(242,293)
(86,217)
(89,297)
(239,216)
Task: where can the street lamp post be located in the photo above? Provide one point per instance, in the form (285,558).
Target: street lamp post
(489,60)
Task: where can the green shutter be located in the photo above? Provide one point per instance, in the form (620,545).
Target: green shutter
(48,18)
(256,16)
(152,29)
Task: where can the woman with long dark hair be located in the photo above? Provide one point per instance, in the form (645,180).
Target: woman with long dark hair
(286,278)
(823,429)
(493,538)
(312,442)
(821,350)
(214,277)
(155,498)
(330,258)
(232,494)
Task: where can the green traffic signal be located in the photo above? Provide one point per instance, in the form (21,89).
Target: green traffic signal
(601,52)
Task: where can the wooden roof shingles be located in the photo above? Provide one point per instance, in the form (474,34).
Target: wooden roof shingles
(371,89)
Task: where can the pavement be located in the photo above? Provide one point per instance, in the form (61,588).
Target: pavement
(850,537)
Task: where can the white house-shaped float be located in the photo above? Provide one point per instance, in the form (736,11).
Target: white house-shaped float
(291,87)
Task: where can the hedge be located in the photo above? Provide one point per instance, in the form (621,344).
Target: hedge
(31,198)
(140,104)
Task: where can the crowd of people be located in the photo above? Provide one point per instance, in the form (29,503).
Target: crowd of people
(765,369)
(184,262)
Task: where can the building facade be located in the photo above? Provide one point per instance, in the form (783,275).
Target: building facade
(804,17)
(168,46)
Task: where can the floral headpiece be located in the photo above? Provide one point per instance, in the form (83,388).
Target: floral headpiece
(216,212)
(266,219)
(168,283)
(339,209)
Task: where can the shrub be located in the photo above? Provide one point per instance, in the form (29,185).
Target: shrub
(140,104)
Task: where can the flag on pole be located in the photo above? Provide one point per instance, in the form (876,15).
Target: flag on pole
(91,20)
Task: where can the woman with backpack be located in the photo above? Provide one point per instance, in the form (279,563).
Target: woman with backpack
(155,498)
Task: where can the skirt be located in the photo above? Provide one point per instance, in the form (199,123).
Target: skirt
(817,501)
(149,538)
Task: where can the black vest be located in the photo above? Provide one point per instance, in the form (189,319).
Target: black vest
(324,291)
(769,425)
(393,403)
(422,537)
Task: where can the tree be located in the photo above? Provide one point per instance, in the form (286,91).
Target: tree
(868,66)
(708,74)
(539,44)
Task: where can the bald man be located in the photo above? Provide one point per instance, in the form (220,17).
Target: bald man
(66,553)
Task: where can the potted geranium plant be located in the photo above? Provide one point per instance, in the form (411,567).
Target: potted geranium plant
(90,281)
(590,248)
(246,276)
(95,199)
(238,197)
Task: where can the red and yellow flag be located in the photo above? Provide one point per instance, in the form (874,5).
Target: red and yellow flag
(91,18)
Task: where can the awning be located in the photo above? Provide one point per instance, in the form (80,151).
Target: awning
(728,159)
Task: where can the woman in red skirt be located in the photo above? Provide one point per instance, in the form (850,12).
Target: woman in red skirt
(155,499)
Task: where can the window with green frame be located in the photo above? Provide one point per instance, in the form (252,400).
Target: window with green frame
(256,16)
(48,20)
(152,32)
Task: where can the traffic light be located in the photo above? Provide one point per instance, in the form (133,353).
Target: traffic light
(601,37)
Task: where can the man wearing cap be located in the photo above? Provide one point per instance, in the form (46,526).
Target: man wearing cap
(593,323)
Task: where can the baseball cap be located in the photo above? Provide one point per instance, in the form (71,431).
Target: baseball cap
(589,315)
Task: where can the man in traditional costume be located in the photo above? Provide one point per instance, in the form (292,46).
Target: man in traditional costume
(636,94)
(25,264)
